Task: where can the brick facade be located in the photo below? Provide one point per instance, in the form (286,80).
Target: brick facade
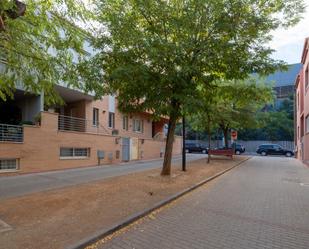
(40,150)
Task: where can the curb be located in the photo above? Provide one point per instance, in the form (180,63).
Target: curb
(105,232)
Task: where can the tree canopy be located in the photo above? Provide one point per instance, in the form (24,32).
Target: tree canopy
(41,47)
(155,54)
(274,124)
(231,105)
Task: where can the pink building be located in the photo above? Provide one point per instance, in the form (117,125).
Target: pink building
(302,108)
(82,132)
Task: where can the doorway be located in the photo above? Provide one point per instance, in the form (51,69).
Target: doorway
(125,149)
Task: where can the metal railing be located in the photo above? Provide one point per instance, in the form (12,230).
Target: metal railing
(67,123)
(11,133)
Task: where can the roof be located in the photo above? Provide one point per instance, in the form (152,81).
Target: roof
(284,78)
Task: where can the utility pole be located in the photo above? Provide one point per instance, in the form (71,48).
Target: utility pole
(183,144)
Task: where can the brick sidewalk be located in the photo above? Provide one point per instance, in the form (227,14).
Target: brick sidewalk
(262,204)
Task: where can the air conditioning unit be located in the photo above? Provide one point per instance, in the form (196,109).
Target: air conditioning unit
(115,132)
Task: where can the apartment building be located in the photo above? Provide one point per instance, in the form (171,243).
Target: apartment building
(302,107)
(81,132)
(283,83)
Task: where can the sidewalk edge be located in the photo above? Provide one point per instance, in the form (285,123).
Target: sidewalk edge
(105,232)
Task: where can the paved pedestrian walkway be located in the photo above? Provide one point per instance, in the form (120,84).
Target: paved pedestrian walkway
(262,204)
(13,186)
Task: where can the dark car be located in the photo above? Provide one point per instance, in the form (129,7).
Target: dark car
(273,149)
(239,148)
(196,147)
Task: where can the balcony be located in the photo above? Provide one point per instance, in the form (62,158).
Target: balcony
(68,123)
(11,133)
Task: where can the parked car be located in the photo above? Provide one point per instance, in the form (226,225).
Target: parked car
(239,149)
(196,147)
(273,149)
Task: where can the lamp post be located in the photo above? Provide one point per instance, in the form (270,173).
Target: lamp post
(183,144)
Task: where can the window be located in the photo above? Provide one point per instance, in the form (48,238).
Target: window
(307,76)
(66,153)
(277,147)
(8,164)
(125,123)
(95,117)
(298,101)
(307,124)
(138,125)
(111,120)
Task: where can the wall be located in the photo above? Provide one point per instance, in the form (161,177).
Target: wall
(75,109)
(305,152)
(305,138)
(149,148)
(41,147)
(302,109)
(103,106)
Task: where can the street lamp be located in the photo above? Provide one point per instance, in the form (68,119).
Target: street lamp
(183,144)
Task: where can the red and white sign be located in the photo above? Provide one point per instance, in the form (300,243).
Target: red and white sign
(234,135)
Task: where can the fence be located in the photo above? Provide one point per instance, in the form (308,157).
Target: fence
(11,133)
(67,123)
(250,146)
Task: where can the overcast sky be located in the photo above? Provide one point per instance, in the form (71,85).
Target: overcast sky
(289,43)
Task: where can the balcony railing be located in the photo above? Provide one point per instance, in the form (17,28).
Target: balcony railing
(11,133)
(67,123)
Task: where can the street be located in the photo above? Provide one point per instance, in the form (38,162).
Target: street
(264,203)
(14,186)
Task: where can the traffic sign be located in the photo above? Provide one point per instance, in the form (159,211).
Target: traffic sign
(234,135)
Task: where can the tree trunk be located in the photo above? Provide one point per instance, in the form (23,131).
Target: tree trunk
(225,134)
(166,169)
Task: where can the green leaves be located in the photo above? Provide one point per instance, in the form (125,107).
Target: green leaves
(40,49)
(156,52)
(229,105)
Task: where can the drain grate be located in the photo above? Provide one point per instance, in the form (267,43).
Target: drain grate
(4,227)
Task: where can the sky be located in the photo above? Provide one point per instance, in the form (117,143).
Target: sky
(288,43)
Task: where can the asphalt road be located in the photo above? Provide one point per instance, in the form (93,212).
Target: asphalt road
(13,186)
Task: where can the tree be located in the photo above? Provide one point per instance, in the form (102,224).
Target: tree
(155,54)
(278,126)
(11,12)
(202,113)
(274,124)
(229,104)
(40,45)
(288,106)
(238,103)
